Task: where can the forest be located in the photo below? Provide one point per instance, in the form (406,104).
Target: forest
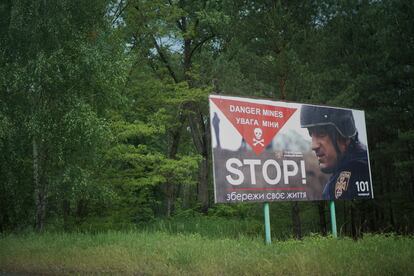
(104,120)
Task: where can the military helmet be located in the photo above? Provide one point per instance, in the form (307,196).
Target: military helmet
(341,119)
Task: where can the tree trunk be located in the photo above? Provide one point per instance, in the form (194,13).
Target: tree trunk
(374,217)
(391,211)
(202,189)
(172,154)
(81,209)
(322,218)
(354,231)
(169,191)
(363,225)
(66,213)
(204,169)
(4,221)
(186,192)
(297,227)
(187,61)
(412,182)
(200,131)
(39,188)
(345,218)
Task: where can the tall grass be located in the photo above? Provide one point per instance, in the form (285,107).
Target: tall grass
(242,219)
(222,221)
(160,253)
(213,227)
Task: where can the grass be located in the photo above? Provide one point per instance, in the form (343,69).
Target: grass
(212,227)
(161,253)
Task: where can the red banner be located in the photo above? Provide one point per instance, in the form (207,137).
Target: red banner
(258,124)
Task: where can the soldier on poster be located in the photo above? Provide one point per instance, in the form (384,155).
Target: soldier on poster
(267,151)
(338,150)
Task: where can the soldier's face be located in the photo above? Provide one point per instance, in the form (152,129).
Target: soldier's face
(324,149)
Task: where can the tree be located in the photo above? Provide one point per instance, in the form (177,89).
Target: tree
(56,72)
(171,34)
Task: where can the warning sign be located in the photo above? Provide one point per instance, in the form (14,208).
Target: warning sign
(269,151)
(257,123)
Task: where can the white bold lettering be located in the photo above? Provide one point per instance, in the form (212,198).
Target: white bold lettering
(287,172)
(278,172)
(252,163)
(270,124)
(235,171)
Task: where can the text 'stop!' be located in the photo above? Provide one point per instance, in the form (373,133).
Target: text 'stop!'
(276,151)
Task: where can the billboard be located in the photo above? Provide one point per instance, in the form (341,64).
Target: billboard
(277,151)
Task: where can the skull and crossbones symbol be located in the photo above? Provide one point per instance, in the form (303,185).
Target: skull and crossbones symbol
(258,134)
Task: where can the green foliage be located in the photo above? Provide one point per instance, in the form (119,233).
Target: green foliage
(190,222)
(57,81)
(112,98)
(162,253)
